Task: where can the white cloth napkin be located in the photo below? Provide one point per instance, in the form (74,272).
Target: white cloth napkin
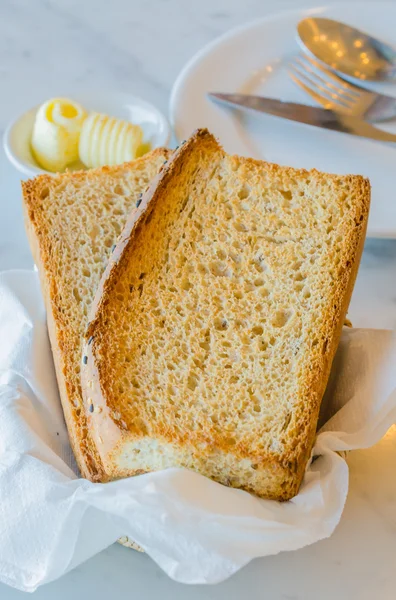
(196,530)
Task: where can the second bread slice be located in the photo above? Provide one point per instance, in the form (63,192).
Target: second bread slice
(72,221)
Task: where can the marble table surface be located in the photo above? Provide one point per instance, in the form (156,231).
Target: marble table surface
(140,46)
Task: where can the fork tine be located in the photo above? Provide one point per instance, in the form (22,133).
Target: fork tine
(320,99)
(326,96)
(342,92)
(348,87)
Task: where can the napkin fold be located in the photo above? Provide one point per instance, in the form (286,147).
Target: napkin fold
(196,530)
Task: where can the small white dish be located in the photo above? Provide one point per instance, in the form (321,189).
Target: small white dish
(156,129)
(251,59)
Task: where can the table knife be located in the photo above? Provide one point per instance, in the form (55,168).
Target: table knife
(310,115)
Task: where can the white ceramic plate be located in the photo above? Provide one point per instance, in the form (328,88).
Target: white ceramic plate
(155,126)
(251,59)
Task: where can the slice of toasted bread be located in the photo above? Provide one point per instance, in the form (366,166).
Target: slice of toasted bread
(216,321)
(72,221)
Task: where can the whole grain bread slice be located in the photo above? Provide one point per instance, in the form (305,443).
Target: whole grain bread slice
(72,221)
(215,324)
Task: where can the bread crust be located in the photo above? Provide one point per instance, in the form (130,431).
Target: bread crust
(85,451)
(283,474)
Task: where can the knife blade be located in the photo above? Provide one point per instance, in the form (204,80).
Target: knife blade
(302,113)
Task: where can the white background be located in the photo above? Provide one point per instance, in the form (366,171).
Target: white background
(140,46)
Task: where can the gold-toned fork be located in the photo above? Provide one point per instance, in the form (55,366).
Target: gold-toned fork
(337,94)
